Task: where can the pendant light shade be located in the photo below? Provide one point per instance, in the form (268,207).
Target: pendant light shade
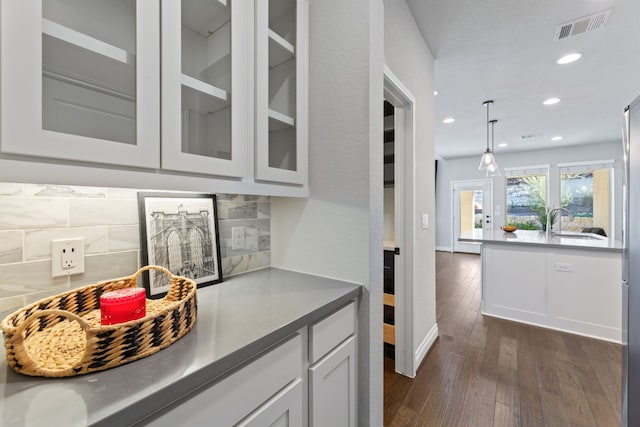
(488,161)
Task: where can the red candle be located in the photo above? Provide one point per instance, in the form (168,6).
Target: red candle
(122,305)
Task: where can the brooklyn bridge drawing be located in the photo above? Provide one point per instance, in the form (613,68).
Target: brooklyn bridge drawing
(182,241)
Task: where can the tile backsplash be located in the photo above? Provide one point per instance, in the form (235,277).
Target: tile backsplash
(32,215)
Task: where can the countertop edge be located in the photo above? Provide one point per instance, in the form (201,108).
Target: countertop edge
(541,244)
(155,402)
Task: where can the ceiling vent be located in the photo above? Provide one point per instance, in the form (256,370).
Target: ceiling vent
(586,24)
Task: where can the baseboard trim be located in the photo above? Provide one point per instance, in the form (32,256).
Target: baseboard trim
(614,340)
(424,347)
(444,248)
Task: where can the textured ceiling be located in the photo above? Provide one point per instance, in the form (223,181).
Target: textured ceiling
(504,50)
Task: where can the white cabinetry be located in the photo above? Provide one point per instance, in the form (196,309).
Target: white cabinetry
(205,86)
(276,388)
(281,90)
(264,387)
(332,383)
(573,290)
(332,375)
(80,80)
(180,86)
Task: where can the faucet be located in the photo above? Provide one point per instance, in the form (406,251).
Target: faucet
(550,214)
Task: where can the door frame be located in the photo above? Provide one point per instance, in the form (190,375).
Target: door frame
(487,207)
(404,193)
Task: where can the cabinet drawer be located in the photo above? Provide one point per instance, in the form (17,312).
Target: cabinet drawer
(328,333)
(226,402)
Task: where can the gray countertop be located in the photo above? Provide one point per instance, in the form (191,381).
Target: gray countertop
(538,238)
(236,320)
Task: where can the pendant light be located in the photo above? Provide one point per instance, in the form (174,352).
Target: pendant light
(492,169)
(487,158)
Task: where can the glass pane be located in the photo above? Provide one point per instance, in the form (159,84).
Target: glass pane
(527,201)
(206,81)
(587,195)
(282,84)
(206,124)
(89,68)
(471,213)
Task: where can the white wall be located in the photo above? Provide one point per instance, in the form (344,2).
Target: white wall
(467,168)
(337,231)
(409,59)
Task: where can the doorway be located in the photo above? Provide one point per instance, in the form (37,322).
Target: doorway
(472,212)
(398,221)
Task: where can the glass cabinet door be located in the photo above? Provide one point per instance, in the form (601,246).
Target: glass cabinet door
(281,90)
(204,86)
(80,80)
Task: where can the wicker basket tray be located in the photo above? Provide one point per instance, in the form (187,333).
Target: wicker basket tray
(61,336)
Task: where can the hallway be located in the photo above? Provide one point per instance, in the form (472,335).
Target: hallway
(484,371)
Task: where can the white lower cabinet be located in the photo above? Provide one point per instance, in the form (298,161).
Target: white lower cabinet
(286,387)
(283,410)
(228,401)
(332,388)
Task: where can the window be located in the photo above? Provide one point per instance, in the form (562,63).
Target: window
(585,190)
(527,197)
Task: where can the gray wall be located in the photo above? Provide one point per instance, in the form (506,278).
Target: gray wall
(467,168)
(337,231)
(409,59)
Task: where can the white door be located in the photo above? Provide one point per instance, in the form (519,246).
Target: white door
(472,212)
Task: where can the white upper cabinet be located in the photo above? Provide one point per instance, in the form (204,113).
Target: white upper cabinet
(281,90)
(212,93)
(80,80)
(205,83)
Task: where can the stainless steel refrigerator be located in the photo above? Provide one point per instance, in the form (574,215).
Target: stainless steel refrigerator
(631,268)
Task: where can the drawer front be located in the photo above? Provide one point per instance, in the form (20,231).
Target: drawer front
(231,399)
(328,333)
(282,410)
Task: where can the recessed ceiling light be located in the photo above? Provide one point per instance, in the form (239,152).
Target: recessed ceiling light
(556,138)
(502,145)
(567,59)
(435,92)
(551,101)
(449,120)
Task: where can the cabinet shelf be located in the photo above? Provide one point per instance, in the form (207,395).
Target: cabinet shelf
(214,100)
(89,43)
(205,17)
(87,62)
(280,50)
(279,121)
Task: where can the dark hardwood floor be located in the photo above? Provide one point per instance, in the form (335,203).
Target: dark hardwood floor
(484,371)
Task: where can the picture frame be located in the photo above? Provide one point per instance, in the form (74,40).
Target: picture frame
(179,231)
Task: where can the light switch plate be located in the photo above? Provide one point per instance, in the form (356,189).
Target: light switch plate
(425,221)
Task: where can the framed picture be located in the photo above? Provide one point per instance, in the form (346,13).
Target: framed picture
(179,231)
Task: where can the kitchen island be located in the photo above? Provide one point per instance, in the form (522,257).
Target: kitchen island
(248,330)
(570,282)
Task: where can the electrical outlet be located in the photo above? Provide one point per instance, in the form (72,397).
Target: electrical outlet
(67,257)
(237,238)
